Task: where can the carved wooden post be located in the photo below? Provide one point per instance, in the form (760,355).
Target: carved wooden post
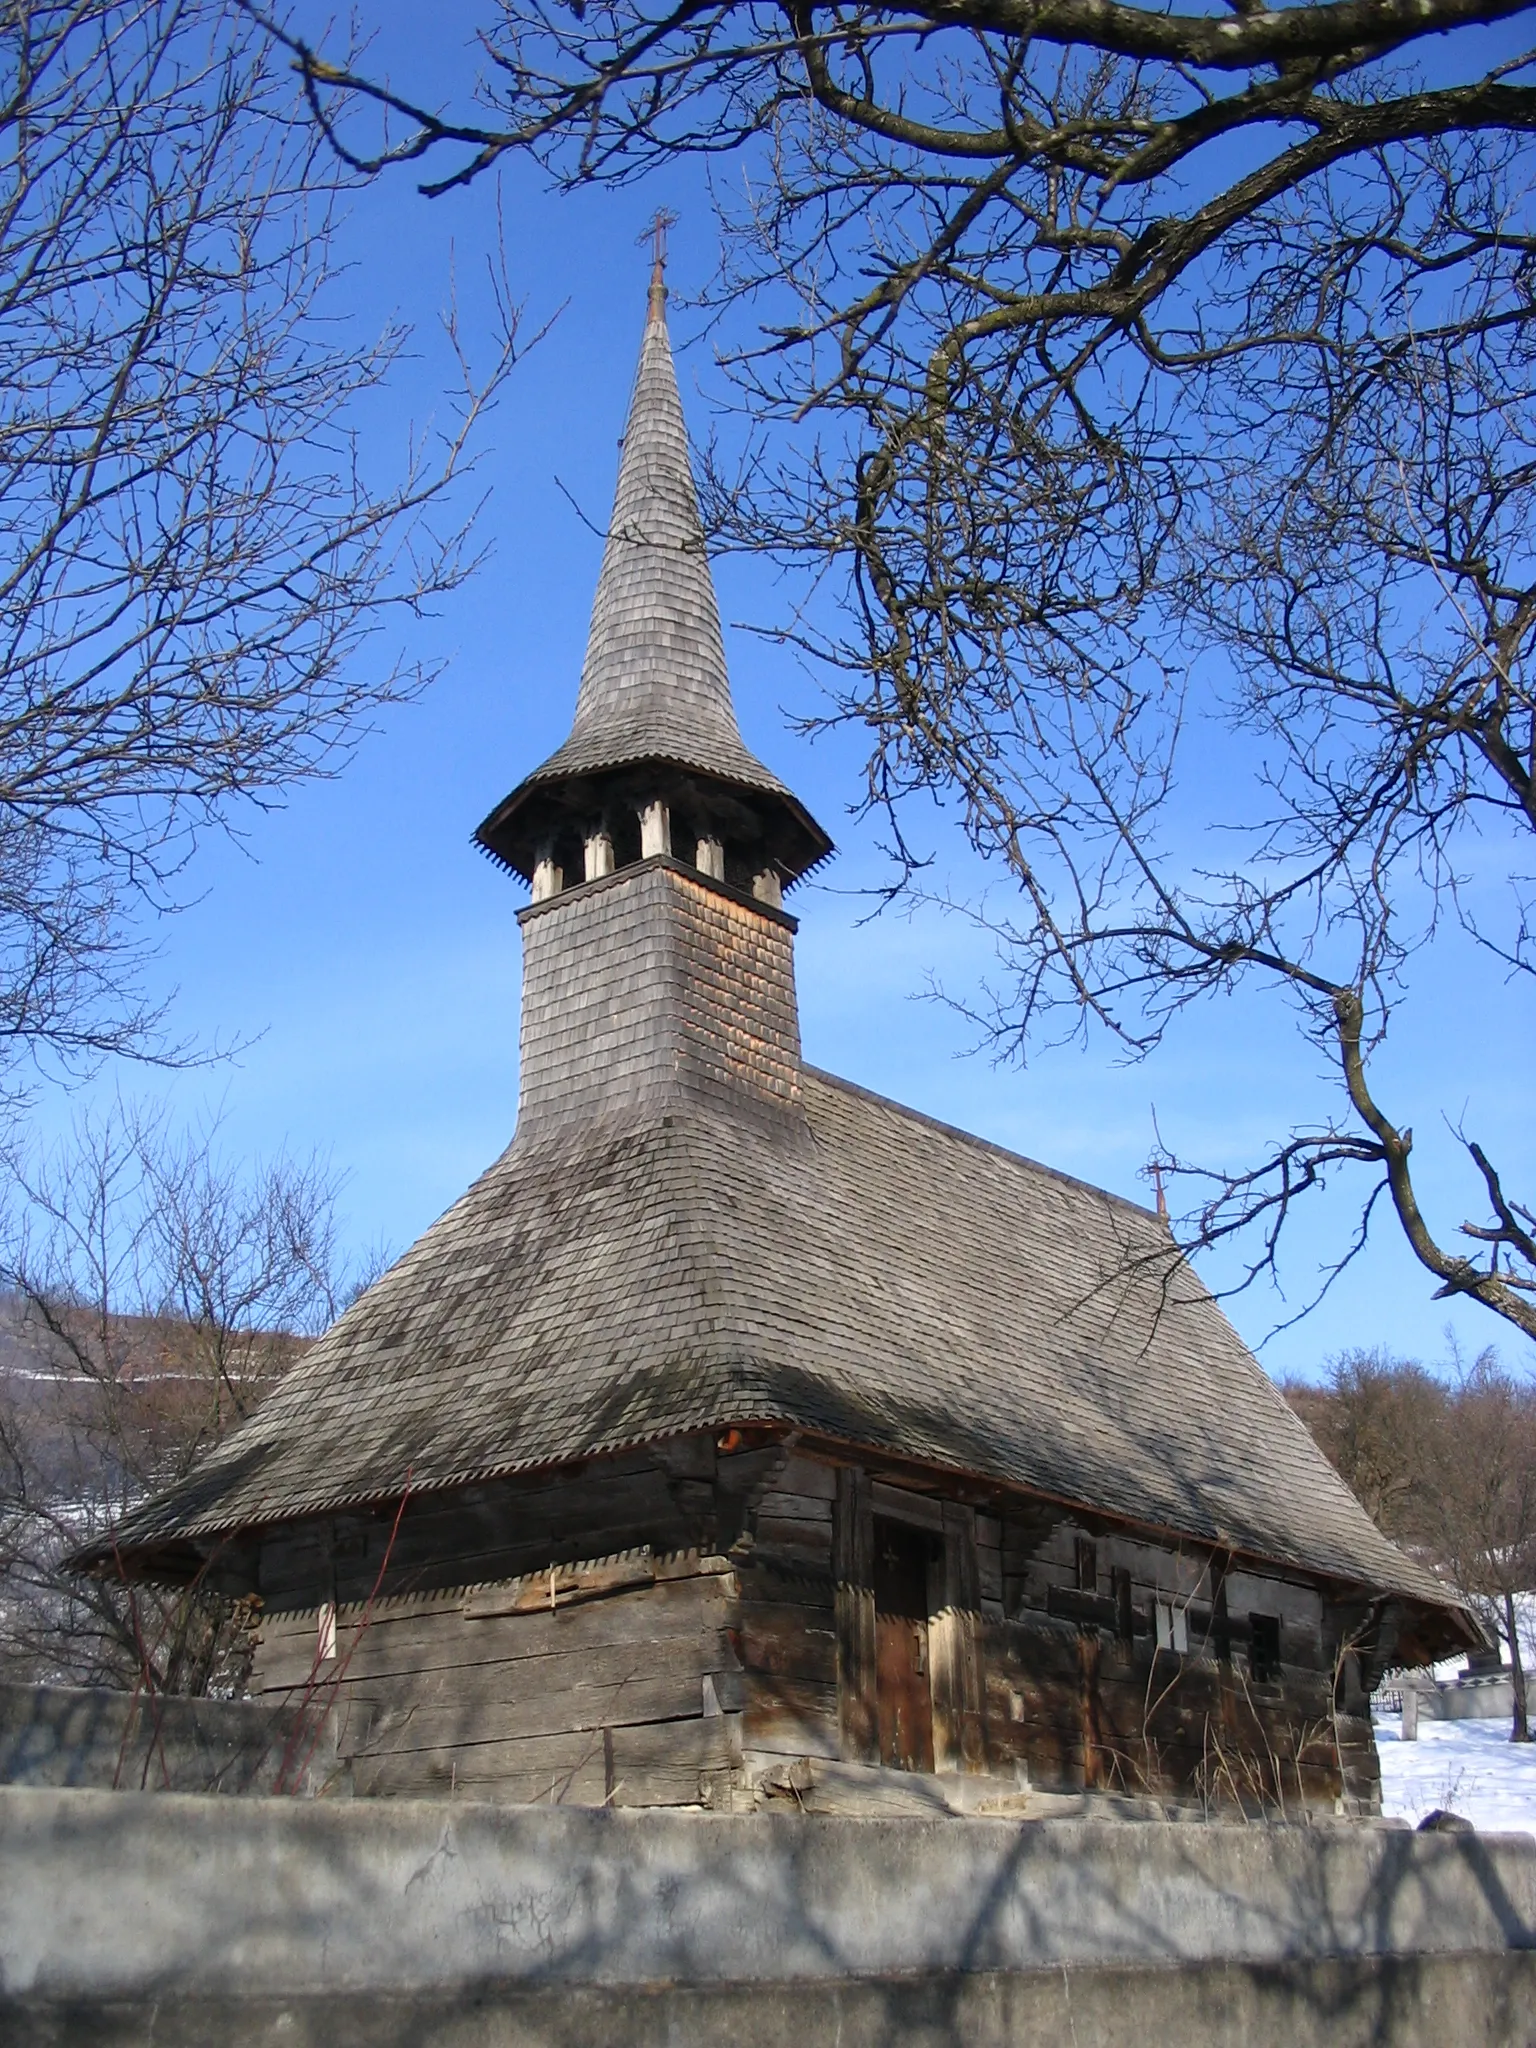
(655,830)
(709,859)
(597,856)
(548,879)
(959,1719)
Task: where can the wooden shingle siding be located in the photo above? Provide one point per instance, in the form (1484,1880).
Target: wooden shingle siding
(655,986)
(654,681)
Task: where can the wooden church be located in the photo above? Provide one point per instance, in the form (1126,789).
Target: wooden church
(741,1436)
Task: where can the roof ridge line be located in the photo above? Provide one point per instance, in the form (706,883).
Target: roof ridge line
(937,1123)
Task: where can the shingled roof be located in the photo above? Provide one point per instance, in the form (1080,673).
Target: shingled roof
(654,686)
(891,1283)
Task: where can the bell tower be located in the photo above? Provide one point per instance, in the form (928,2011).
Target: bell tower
(655,763)
(658,849)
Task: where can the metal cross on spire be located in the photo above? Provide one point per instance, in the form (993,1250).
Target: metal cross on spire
(656,234)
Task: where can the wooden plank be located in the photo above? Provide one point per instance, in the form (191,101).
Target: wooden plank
(989,1567)
(694,1500)
(854,1619)
(443,1639)
(959,1714)
(759,1579)
(809,1476)
(1031,1653)
(1250,1591)
(1090,1610)
(901,1505)
(569,1511)
(466,1648)
(564,1770)
(661,1765)
(673,1697)
(794,1540)
(534,1678)
(739,1479)
(692,1564)
(564,1585)
(776,1640)
(601,1512)
(795,1507)
(791,1717)
(1028,1529)
(387,1608)
(788,1569)
(488,1532)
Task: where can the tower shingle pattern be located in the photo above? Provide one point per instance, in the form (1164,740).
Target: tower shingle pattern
(654,683)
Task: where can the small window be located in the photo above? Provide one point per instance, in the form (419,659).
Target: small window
(325,1633)
(1172,1628)
(1087,1565)
(1264,1653)
(1125,1613)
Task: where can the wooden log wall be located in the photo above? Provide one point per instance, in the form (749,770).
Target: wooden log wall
(787,1630)
(651,1629)
(664,1498)
(477,1645)
(615,1688)
(1081,1695)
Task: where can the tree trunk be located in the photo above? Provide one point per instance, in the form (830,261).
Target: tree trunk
(1522,1728)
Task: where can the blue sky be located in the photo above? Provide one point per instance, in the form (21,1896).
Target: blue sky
(368,954)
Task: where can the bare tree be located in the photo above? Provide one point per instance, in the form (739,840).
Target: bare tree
(1447,1466)
(1152,389)
(154,1294)
(1488,1506)
(1384,1426)
(194,552)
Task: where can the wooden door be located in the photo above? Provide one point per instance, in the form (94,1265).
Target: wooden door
(903,1700)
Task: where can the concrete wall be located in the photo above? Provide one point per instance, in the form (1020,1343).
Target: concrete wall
(1469,2001)
(1487,1698)
(105,1741)
(262,1919)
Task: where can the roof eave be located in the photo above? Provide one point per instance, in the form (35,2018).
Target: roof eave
(496,834)
(1451,1624)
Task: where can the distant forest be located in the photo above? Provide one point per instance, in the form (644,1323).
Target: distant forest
(1445,1466)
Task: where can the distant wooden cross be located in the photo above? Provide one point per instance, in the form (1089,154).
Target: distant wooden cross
(656,233)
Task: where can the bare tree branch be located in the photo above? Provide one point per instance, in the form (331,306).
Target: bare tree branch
(193,554)
(1156,391)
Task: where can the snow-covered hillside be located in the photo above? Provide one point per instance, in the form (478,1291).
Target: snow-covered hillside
(1471,1767)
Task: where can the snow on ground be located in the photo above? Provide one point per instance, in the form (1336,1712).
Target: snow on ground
(1471,1767)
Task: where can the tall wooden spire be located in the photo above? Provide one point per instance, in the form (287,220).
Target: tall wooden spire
(654,719)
